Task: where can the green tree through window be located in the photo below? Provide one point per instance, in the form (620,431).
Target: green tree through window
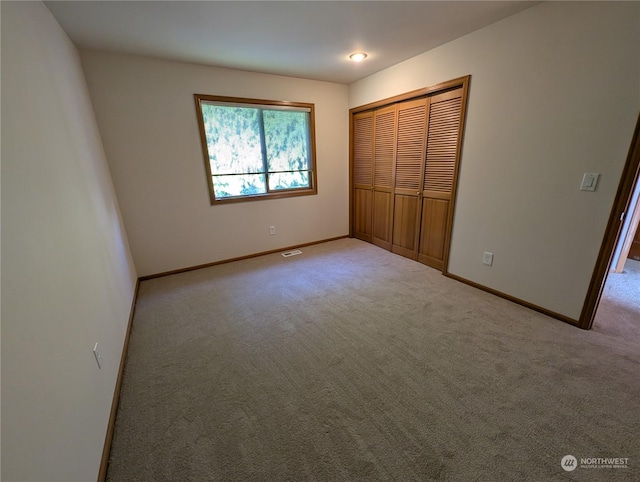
(255,149)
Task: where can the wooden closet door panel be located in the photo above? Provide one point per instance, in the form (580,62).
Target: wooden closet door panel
(363,176)
(409,171)
(406,218)
(432,232)
(442,141)
(362,215)
(382,214)
(441,161)
(363,149)
(384,140)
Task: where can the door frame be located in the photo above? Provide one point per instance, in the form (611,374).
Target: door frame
(619,212)
(464,83)
(627,237)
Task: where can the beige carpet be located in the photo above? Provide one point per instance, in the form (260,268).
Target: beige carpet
(350,363)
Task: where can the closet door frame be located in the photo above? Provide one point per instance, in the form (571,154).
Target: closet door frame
(462,82)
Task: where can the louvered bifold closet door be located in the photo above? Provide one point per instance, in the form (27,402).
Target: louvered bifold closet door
(409,170)
(363,175)
(384,135)
(444,126)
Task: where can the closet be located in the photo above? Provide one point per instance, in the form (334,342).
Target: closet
(404,162)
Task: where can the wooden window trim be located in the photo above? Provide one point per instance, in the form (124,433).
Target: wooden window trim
(270,194)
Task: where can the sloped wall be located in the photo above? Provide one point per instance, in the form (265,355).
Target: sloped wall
(67,275)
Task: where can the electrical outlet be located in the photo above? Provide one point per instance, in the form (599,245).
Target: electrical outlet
(98,356)
(487,258)
(272,230)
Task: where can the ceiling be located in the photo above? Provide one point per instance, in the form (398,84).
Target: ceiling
(308,39)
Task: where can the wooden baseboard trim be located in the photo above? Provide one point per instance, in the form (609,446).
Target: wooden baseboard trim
(240,258)
(513,299)
(104,464)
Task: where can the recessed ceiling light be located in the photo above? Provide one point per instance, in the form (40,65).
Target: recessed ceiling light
(358,56)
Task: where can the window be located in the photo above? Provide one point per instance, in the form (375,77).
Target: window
(256,149)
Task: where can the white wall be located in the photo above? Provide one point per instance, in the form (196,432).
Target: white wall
(67,274)
(147,118)
(555,92)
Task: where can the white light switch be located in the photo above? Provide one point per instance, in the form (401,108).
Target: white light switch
(487,258)
(589,181)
